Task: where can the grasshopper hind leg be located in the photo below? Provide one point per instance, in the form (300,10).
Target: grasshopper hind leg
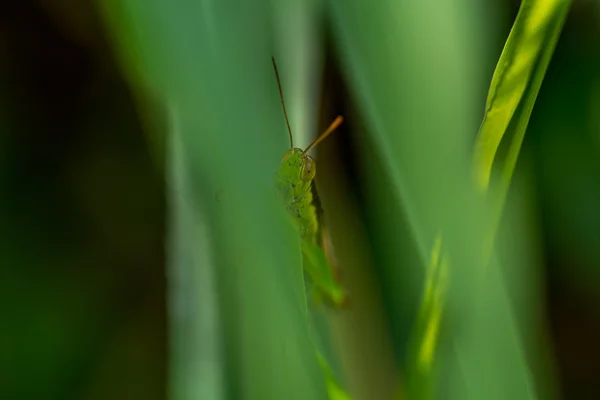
(325,288)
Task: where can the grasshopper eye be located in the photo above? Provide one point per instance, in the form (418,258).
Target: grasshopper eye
(309,169)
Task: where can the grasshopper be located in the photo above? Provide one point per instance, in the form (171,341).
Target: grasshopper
(295,184)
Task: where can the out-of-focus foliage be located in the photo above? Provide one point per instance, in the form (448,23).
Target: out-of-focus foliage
(515,84)
(143,255)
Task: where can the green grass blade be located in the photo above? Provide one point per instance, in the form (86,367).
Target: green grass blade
(196,360)
(516,83)
(210,61)
(424,341)
(416,102)
(548,17)
(513,90)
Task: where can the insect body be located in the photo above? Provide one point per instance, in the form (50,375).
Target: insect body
(295,184)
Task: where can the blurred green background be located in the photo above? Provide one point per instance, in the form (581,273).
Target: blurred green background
(84,178)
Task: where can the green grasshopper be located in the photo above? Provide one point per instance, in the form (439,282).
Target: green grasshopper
(296,188)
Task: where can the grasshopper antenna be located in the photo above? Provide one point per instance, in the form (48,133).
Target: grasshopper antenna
(283,102)
(336,122)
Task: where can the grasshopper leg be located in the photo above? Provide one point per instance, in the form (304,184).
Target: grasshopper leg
(316,265)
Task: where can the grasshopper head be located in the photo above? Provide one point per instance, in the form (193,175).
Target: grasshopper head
(297,165)
(300,164)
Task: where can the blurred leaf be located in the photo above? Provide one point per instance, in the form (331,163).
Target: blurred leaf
(535,32)
(424,341)
(298,43)
(417,102)
(209,61)
(197,366)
